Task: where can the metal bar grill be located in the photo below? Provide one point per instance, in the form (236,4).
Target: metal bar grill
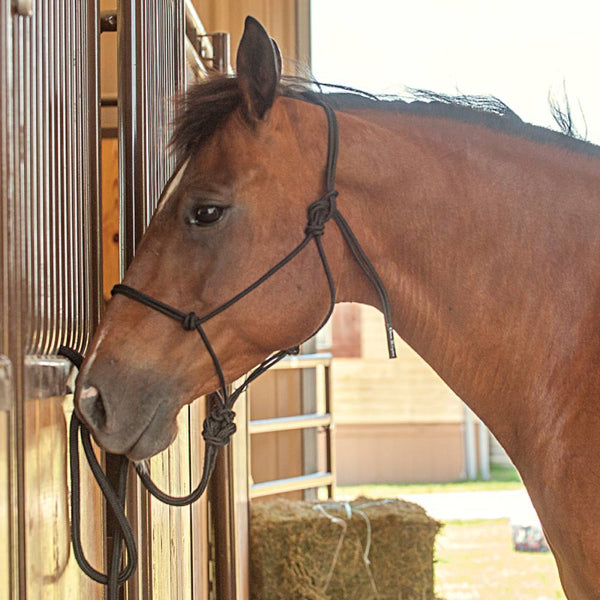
(49,269)
(54,176)
(151,73)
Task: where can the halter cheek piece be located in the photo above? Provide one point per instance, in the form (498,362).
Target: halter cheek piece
(219,425)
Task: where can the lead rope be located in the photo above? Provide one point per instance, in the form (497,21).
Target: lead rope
(217,430)
(218,425)
(122,531)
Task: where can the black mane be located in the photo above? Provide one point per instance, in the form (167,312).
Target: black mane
(202,110)
(206,106)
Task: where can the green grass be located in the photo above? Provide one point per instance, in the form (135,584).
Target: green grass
(475,559)
(502,478)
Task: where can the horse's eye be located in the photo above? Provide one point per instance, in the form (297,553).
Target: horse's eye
(207,215)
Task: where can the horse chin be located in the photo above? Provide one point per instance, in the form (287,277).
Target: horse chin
(149,444)
(157,436)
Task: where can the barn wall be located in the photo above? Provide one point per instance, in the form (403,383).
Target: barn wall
(111,272)
(374,388)
(399,452)
(281,18)
(396,420)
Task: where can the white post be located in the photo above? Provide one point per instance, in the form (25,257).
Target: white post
(484,451)
(470,444)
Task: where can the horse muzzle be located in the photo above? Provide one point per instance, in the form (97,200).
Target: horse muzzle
(136,418)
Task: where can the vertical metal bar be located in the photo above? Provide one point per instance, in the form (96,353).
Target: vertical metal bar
(229,505)
(470,444)
(483,437)
(330,433)
(129,184)
(221,52)
(9,343)
(93,232)
(17,338)
(130,226)
(309,405)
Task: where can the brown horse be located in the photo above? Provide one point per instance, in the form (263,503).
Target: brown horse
(485,231)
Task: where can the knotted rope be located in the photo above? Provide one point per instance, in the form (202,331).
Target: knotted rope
(319,212)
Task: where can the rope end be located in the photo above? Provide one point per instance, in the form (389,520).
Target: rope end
(390,342)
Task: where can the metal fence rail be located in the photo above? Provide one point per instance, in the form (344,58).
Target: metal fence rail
(320,363)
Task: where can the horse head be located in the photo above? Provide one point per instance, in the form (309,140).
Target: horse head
(251,161)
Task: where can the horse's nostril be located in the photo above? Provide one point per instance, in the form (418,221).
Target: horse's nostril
(92,407)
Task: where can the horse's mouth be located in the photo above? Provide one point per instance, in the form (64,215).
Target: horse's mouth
(154,439)
(155,436)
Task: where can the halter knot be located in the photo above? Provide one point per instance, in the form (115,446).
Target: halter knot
(219,425)
(319,212)
(190,321)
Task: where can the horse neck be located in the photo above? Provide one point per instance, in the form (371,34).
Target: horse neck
(488,246)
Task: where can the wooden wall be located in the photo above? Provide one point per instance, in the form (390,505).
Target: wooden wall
(110,214)
(285,20)
(375,389)
(399,452)
(396,420)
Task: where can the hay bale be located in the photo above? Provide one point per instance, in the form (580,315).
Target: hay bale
(361,550)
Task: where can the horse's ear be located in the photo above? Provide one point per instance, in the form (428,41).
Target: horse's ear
(278,58)
(258,69)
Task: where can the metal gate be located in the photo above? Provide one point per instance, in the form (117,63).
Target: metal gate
(50,282)
(49,258)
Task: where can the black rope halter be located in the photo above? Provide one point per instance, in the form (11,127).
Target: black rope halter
(218,425)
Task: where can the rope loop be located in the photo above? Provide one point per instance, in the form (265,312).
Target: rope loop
(190,321)
(319,212)
(219,426)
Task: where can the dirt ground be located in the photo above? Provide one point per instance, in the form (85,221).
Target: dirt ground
(475,560)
